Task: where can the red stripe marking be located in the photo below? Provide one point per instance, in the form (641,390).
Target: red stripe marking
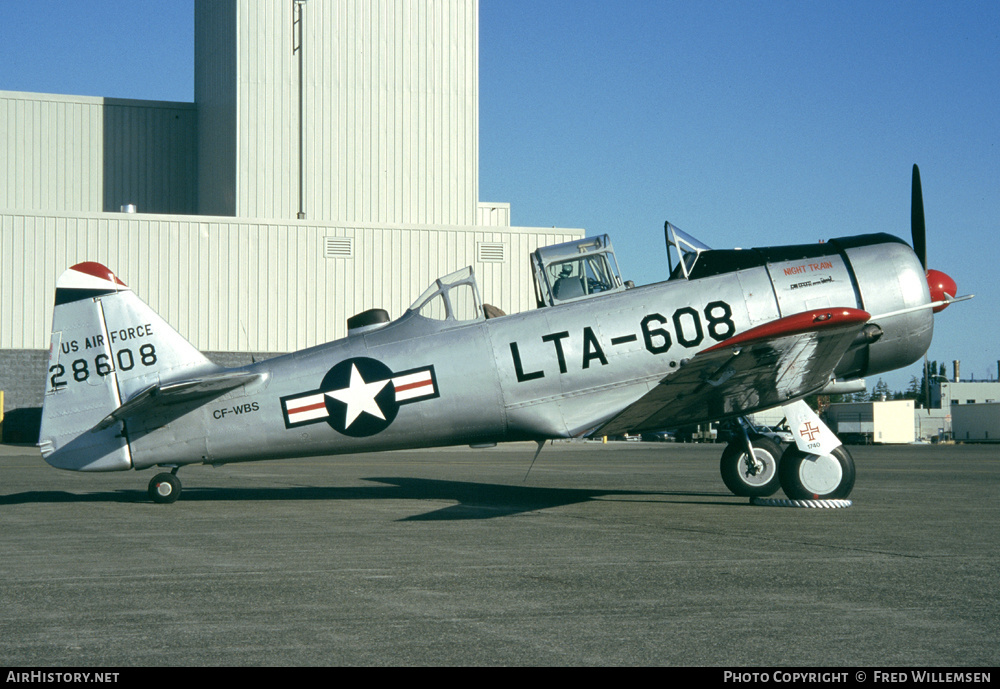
(418,384)
(311,407)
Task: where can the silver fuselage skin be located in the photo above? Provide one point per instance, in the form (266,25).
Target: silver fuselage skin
(554,372)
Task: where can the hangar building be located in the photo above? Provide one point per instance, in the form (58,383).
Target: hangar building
(329,164)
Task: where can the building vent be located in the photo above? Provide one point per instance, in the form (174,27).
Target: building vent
(491,252)
(338,247)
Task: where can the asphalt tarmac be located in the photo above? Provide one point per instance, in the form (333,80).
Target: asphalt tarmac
(618,554)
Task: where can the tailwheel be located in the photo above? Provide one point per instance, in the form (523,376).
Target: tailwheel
(816,477)
(751,478)
(164,488)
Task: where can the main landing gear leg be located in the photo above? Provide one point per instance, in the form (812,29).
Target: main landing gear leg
(165,488)
(820,467)
(749,468)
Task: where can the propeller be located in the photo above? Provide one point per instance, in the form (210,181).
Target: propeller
(941,285)
(917,226)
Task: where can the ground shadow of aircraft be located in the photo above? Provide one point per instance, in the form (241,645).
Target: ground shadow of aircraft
(472,500)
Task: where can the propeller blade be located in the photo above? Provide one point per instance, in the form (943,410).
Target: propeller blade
(917,227)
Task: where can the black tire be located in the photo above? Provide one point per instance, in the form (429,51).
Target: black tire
(164,489)
(810,477)
(741,478)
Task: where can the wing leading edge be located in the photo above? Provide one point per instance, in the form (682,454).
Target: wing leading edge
(763,367)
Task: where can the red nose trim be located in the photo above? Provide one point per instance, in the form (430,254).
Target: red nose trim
(942,287)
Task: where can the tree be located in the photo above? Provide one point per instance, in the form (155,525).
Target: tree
(881,391)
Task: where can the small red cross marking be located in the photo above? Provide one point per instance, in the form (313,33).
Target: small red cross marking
(809,430)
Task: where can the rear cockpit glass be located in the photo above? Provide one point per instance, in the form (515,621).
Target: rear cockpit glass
(452,297)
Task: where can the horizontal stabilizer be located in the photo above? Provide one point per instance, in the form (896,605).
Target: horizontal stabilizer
(156,396)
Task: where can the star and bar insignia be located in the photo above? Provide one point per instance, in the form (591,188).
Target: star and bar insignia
(359,397)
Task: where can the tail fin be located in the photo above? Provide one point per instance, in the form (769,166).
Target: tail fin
(106,346)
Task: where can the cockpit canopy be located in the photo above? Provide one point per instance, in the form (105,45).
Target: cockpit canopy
(452,297)
(575,270)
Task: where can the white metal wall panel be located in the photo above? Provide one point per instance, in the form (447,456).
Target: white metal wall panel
(266,110)
(75,153)
(50,152)
(231,285)
(494,214)
(390,116)
(392,111)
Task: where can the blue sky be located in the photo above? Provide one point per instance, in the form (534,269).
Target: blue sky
(745,124)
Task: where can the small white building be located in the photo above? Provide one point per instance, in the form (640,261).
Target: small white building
(889,422)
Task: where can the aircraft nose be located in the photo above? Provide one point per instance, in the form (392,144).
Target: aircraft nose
(942,287)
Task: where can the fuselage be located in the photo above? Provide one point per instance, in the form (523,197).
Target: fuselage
(548,373)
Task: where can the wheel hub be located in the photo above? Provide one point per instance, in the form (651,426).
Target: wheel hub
(757,470)
(820,474)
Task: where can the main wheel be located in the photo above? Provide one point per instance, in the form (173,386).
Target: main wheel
(751,479)
(165,488)
(816,477)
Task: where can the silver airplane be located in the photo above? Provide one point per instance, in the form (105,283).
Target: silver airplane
(729,333)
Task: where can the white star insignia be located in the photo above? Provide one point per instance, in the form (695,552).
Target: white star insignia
(359,397)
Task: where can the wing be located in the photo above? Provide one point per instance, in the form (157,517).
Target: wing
(760,368)
(159,395)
